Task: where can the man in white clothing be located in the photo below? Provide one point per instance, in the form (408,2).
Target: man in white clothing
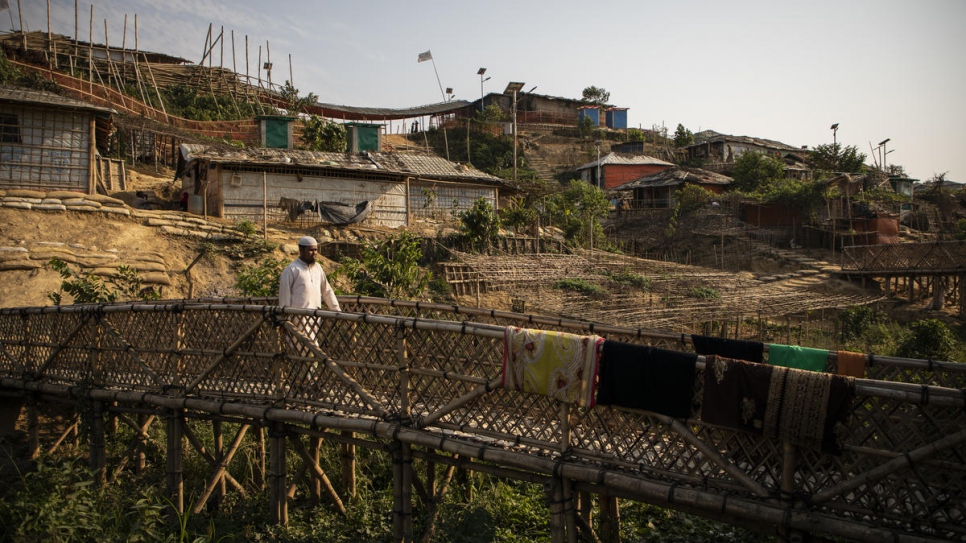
(303,283)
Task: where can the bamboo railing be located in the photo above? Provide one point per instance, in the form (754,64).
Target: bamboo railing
(943,257)
(431,386)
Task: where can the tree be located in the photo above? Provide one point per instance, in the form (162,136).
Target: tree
(578,210)
(319,134)
(683,137)
(480,225)
(753,169)
(291,96)
(596,95)
(492,113)
(930,339)
(832,157)
(389,269)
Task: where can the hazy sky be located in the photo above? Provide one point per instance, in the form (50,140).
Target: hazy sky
(778,70)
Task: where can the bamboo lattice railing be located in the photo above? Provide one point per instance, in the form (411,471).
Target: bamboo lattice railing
(945,257)
(417,379)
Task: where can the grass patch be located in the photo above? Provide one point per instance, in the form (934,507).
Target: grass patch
(704,293)
(581,286)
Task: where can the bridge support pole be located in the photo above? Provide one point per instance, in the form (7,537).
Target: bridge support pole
(174,467)
(33,427)
(98,447)
(349,466)
(790,459)
(962,296)
(402,488)
(610,519)
(219,443)
(277,489)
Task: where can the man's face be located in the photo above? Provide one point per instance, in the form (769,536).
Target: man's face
(307,253)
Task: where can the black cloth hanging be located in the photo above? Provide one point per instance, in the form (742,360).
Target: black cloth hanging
(642,377)
(749,351)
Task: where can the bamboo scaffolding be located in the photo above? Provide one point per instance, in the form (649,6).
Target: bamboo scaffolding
(220,470)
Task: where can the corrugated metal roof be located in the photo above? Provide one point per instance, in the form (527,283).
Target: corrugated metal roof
(614,158)
(710,136)
(29,96)
(430,167)
(675,176)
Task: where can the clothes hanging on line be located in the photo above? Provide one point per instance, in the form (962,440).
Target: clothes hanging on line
(750,351)
(794,356)
(556,364)
(649,378)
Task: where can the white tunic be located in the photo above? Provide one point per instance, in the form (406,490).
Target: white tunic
(306,286)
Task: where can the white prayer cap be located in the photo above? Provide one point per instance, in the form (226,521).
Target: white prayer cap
(308,241)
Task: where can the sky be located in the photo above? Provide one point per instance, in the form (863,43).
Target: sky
(784,71)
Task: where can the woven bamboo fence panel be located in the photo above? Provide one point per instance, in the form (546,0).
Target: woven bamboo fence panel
(902,468)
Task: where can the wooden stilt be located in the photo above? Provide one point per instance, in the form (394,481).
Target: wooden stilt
(260,472)
(218,494)
(174,468)
(312,466)
(315,485)
(402,492)
(558,525)
(610,519)
(348,466)
(277,475)
(33,428)
(98,446)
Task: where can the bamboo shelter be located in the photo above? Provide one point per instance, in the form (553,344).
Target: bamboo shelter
(422,382)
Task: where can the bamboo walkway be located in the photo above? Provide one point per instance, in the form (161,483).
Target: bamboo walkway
(939,258)
(422,381)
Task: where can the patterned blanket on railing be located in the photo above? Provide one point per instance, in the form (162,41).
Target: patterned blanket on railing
(556,364)
(807,408)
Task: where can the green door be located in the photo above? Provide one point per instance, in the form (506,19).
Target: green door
(276,134)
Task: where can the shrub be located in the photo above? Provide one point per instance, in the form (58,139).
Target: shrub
(389,269)
(930,339)
(581,286)
(630,278)
(260,279)
(87,288)
(480,225)
(705,293)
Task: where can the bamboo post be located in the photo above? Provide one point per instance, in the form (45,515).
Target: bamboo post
(315,485)
(610,519)
(33,427)
(260,471)
(790,458)
(219,452)
(318,475)
(174,465)
(143,422)
(276,478)
(402,359)
(558,528)
(217,480)
(348,466)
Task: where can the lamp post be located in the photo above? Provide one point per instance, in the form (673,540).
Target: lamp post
(597,181)
(883,153)
(514,88)
(482,96)
(835,129)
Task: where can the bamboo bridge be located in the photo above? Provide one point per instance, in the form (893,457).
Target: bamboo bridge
(423,382)
(916,268)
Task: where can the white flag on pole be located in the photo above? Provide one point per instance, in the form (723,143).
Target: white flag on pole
(423,57)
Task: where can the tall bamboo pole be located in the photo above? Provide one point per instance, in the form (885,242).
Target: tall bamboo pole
(174,468)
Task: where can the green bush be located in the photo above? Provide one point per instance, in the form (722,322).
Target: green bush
(260,279)
(480,225)
(705,293)
(389,269)
(581,286)
(630,278)
(87,288)
(929,339)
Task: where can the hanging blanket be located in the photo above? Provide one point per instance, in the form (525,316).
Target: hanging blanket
(851,364)
(749,351)
(806,408)
(649,378)
(556,364)
(793,356)
(336,213)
